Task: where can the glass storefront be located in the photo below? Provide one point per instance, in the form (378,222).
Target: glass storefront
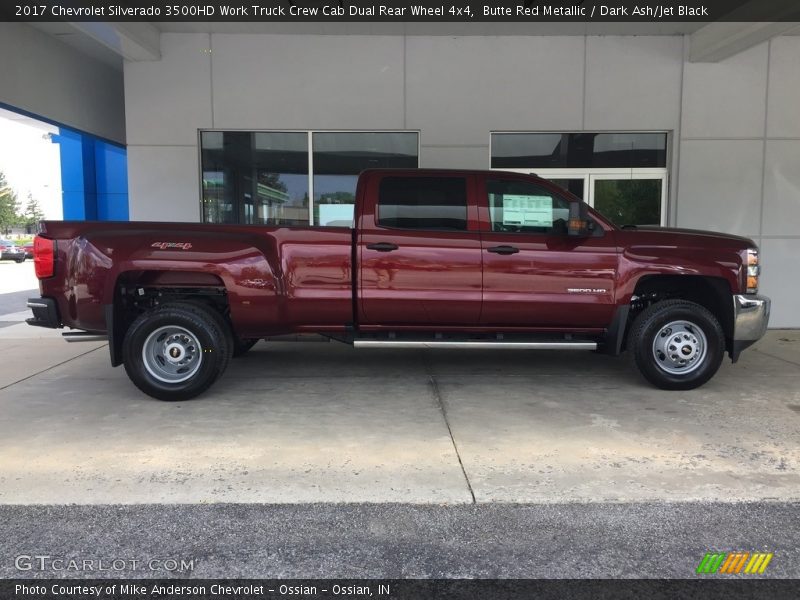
(629,201)
(293,178)
(622,175)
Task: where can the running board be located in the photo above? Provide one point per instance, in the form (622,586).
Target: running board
(480,345)
(84,336)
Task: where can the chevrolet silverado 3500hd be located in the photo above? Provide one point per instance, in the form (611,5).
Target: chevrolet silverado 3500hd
(434,258)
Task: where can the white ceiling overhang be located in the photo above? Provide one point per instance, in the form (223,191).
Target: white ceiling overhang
(140,41)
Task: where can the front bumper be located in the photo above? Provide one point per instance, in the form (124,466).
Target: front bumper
(750,319)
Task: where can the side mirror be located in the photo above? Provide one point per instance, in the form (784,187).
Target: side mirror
(579,224)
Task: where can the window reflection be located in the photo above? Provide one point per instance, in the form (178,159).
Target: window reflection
(263,177)
(338,159)
(572,185)
(256,178)
(334,199)
(629,201)
(578,150)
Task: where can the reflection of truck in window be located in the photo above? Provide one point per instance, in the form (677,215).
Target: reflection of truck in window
(435,259)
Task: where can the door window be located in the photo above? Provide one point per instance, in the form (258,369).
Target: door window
(519,206)
(430,203)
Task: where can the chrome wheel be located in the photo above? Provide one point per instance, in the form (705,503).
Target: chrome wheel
(172,354)
(679,347)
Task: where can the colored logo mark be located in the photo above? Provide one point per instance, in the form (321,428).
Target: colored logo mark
(751,563)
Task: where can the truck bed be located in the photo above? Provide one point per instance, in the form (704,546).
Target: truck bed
(275,278)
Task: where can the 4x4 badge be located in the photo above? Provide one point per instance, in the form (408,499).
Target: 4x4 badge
(168,245)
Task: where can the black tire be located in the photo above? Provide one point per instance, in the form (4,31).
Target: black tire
(669,362)
(20,260)
(198,336)
(238,346)
(241,347)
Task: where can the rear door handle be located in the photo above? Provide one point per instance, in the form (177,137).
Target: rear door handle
(383,246)
(503,249)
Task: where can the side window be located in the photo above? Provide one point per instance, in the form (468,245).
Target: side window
(434,203)
(519,206)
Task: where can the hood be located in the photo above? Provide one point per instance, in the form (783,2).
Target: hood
(686,238)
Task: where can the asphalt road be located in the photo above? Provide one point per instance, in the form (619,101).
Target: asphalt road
(14,302)
(404,541)
(17,284)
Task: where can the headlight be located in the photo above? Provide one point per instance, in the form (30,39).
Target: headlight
(753,270)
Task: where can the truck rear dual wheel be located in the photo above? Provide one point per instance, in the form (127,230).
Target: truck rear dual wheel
(677,344)
(176,351)
(241,347)
(238,345)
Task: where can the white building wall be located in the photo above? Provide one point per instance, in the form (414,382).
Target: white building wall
(166,102)
(735,129)
(48,78)
(740,159)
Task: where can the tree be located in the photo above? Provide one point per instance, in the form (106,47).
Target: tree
(32,215)
(8,207)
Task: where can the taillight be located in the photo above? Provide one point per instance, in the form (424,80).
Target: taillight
(43,257)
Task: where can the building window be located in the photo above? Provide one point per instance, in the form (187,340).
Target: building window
(623,175)
(338,159)
(578,150)
(255,177)
(293,178)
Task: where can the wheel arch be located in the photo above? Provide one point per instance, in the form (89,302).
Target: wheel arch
(135,291)
(712,293)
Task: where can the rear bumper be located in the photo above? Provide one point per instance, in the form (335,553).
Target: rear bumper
(45,313)
(750,320)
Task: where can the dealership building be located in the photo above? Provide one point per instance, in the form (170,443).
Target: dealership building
(674,124)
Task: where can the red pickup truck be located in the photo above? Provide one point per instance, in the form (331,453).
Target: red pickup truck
(433,259)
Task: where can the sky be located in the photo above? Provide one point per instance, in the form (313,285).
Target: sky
(31,162)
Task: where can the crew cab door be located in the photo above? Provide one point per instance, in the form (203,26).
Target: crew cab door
(534,274)
(419,250)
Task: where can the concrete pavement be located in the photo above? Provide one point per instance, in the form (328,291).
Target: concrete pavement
(322,422)
(317,460)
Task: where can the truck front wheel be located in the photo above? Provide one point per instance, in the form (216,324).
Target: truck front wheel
(677,344)
(175,352)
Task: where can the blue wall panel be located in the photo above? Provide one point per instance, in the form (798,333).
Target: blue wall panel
(94,177)
(77,181)
(111,163)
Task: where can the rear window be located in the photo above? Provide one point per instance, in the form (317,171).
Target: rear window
(432,203)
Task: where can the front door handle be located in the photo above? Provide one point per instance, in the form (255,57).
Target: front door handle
(383,247)
(503,249)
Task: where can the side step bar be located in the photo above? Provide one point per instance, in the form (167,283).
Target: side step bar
(84,336)
(481,345)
